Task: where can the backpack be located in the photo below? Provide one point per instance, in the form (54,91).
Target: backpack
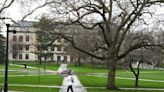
(72,80)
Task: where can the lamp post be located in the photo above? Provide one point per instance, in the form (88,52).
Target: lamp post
(45,57)
(6,63)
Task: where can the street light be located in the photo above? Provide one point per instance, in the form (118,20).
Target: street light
(6,63)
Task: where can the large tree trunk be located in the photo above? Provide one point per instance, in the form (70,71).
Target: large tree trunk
(111,75)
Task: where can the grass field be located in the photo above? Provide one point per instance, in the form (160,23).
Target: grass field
(97,77)
(30,80)
(37,80)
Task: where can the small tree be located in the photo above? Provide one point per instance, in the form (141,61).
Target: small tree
(45,38)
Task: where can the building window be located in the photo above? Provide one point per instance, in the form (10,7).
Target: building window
(65,49)
(27,38)
(21,38)
(65,58)
(14,38)
(59,48)
(14,55)
(45,48)
(27,47)
(52,48)
(39,48)
(59,40)
(20,56)
(27,56)
(20,47)
(58,58)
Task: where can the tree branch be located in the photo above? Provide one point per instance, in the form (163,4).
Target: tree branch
(4,7)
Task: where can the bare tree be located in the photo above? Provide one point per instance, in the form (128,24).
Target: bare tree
(5,4)
(114,18)
(114,26)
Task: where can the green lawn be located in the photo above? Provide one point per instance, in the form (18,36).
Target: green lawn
(31,77)
(97,78)
(55,80)
(33,89)
(47,66)
(124,78)
(104,90)
(87,69)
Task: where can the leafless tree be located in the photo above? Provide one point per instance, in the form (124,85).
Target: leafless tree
(115,19)
(5,4)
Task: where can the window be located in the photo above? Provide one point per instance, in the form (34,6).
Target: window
(59,48)
(65,58)
(27,56)
(59,40)
(20,47)
(45,48)
(27,47)
(20,56)
(21,38)
(14,55)
(14,38)
(39,48)
(65,49)
(27,38)
(52,48)
(58,58)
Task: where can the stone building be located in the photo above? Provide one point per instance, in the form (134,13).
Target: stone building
(22,45)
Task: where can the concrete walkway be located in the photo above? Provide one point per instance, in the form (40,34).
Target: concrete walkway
(62,68)
(77,86)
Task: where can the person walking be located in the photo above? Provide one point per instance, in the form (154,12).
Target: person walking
(70,81)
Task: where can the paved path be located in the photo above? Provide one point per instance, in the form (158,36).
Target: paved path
(77,86)
(62,67)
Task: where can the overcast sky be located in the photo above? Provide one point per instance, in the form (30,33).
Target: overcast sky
(16,12)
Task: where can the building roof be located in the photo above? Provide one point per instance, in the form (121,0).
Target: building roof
(23,24)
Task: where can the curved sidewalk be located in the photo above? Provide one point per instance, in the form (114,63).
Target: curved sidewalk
(77,86)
